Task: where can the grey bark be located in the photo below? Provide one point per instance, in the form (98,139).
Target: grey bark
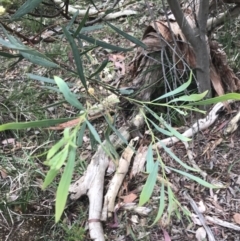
(196,36)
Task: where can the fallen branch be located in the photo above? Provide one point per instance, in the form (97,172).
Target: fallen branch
(91,184)
(116,182)
(200,125)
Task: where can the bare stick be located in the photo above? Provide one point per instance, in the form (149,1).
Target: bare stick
(92,182)
(200,125)
(116,182)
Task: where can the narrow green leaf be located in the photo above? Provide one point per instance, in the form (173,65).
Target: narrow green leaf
(175,133)
(93,131)
(32,124)
(52,173)
(55,159)
(69,25)
(62,191)
(27,7)
(41,78)
(81,25)
(55,148)
(154,114)
(60,158)
(116,131)
(194,178)
(66,133)
(57,103)
(176,91)
(150,162)
(93,3)
(103,44)
(128,36)
(171,154)
(149,185)
(33,58)
(161,205)
(126,91)
(28,53)
(12,39)
(100,68)
(68,95)
(222,98)
(76,56)
(181,112)
(12,46)
(193,97)
(165,132)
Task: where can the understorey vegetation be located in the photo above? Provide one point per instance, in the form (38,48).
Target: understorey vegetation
(125,108)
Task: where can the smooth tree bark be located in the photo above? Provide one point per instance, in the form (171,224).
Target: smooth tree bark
(196,36)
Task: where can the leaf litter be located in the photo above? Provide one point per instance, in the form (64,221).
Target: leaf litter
(219,160)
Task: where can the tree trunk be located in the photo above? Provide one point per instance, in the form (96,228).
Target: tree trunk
(196,36)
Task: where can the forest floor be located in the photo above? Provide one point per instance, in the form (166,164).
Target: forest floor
(27,212)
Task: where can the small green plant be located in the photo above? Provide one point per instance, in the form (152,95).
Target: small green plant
(74,233)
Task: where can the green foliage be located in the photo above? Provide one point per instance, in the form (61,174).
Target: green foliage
(149,185)
(152,164)
(27,7)
(60,158)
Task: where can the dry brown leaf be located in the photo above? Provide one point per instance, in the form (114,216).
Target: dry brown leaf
(236,218)
(3,173)
(129,198)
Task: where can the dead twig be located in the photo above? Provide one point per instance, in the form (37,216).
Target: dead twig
(92,182)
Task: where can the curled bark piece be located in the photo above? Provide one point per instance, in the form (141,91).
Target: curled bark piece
(116,182)
(91,184)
